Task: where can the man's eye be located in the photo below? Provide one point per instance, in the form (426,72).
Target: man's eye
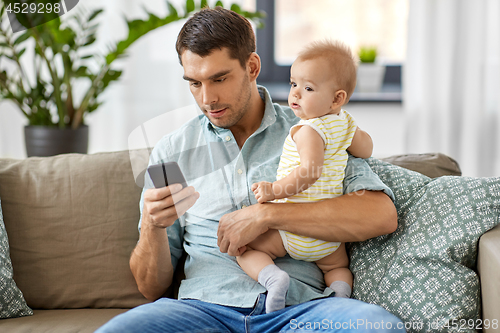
(195,84)
(222,79)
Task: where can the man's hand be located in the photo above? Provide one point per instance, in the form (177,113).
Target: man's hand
(162,206)
(239,228)
(150,261)
(263,191)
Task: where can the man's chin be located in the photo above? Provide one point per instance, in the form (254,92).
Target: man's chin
(218,122)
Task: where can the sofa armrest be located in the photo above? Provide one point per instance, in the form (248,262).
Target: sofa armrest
(488,266)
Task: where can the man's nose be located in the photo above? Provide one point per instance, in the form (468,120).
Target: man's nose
(209,95)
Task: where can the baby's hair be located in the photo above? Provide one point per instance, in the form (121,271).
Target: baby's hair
(343,64)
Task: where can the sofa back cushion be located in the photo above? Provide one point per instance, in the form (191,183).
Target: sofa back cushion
(72,224)
(424,272)
(432,165)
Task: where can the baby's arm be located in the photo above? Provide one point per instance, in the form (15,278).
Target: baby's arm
(311,149)
(361,144)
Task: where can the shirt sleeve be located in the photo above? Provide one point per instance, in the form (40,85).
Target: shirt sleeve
(359,176)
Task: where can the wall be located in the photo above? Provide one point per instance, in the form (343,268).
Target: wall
(385,124)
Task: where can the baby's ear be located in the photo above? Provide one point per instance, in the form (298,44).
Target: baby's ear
(339,98)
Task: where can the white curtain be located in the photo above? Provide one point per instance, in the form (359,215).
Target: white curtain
(452,82)
(150,86)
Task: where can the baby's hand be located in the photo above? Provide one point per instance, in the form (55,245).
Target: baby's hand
(263,191)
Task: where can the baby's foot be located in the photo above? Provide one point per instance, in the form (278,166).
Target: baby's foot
(341,289)
(276,281)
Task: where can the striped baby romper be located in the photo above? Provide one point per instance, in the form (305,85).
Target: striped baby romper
(337,132)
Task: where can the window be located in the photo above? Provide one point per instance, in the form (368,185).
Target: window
(291,24)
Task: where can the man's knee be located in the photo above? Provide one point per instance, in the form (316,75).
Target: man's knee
(163,311)
(350,315)
(372,317)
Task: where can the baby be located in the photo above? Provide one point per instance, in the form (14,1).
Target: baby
(311,168)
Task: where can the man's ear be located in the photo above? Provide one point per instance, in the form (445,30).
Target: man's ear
(253,66)
(339,99)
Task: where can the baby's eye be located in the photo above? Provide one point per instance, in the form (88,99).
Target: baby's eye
(293,84)
(309,89)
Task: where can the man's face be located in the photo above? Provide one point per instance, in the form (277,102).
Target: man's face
(220,86)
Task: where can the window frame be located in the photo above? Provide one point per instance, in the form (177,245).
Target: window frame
(276,76)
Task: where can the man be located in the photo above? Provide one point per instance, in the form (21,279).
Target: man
(236,142)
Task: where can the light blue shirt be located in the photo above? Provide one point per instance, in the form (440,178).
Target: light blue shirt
(223,174)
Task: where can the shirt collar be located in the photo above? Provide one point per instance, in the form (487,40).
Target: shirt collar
(269,111)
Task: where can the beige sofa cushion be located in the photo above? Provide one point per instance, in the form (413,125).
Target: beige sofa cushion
(72,224)
(431,164)
(60,321)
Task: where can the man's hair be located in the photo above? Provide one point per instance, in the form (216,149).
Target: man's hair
(217,28)
(343,65)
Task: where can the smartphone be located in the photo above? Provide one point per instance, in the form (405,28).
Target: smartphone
(166,174)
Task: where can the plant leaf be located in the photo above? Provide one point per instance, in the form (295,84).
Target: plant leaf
(137,29)
(171,10)
(21,53)
(90,40)
(23,37)
(189,6)
(236,8)
(94,14)
(81,71)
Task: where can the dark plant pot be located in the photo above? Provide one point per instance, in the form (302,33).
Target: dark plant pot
(50,141)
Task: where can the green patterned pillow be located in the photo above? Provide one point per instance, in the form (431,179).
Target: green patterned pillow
(424,271)
(12,303)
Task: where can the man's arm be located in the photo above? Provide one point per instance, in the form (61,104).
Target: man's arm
(150,261)
(348,218)
(356,216)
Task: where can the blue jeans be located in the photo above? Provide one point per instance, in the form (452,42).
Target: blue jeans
(326,315)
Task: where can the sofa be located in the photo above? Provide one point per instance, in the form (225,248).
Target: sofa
(71,224)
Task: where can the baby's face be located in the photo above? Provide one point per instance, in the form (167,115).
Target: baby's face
(312,89)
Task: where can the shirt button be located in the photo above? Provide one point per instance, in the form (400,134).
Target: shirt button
(228,138)
(244,206)
(240,171)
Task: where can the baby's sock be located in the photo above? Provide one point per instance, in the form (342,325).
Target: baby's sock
(341,288)
(276,281)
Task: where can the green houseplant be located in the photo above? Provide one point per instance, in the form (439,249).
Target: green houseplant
(367,54)
(370,73)
(63,60)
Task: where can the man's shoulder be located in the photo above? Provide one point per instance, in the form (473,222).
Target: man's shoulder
(282,112)
(286,113)
(191,127)
(181,139)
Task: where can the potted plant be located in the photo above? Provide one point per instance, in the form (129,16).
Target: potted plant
(370,74)
(62,61)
